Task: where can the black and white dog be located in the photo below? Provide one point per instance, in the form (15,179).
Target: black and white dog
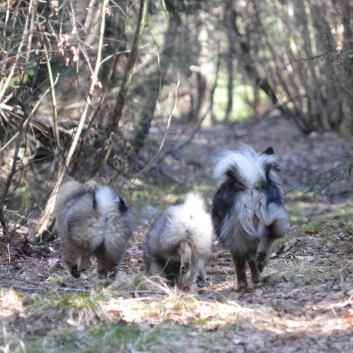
(247,209)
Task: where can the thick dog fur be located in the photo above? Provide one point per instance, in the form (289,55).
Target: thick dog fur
(247,209)
(179,243)
(91,220)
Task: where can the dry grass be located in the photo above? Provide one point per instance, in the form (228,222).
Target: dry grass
(304,305)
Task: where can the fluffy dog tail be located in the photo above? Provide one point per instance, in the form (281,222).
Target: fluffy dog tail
(191,222)
(188,216)
(92,220)
(246,164)
(93,214)
(112,221)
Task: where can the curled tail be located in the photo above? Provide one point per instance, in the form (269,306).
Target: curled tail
(114,221)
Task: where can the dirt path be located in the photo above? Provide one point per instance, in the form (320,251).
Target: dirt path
(304,304)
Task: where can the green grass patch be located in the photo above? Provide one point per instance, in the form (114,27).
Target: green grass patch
(324,229)
(319,226)
(108,339)
(279,242)
(81,308)
(202,322)
(306,208)
(348,250)
(236,324)
(120,335)
(84,301)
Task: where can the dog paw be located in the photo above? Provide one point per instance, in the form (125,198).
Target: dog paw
(257,282)
(184,268)
(74,272)
(260,260)
(200,281)
(242,286)
(102,273)
(261,256)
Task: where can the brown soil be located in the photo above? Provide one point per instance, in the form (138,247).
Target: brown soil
(304,304)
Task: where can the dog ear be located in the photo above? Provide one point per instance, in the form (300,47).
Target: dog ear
(270,165)
(269,151)
(275,167)
(123,207)
(233,173)
(229,173)
(235,178)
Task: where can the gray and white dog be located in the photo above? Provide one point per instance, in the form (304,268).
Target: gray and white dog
(179,244)
(92,220)
(247,209)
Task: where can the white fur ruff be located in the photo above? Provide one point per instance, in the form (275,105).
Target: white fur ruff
(249,163)
(250,215)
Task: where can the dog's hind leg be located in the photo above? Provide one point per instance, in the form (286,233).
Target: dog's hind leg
(201,273)
(264,251)
(154,268)
(84,263)
(239,261)
(106,264)
(166,272)
(255,271)
(70,255)
(185,252)
(277,229)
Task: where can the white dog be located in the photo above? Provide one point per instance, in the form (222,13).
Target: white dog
(179,244)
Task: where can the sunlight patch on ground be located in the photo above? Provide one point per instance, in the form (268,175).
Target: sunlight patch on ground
(10,303)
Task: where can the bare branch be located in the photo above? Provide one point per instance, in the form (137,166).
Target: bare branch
(149,165)
(14,169)
(48,211)
(113,129)
(120,32)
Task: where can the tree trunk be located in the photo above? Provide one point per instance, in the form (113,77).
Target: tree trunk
(231,52)
(114,126)
(249,65)
(157,83)
(230,86)
(108,77)
(218,65)
(205,76)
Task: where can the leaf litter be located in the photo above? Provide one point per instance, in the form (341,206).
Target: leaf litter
(305,303)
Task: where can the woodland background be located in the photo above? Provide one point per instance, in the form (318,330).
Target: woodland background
(84,85)
(146,94)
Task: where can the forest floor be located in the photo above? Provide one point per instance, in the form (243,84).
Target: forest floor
(305,303)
